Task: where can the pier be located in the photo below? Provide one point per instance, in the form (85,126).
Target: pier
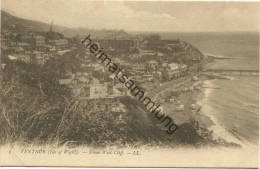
(219,57)
(234,72)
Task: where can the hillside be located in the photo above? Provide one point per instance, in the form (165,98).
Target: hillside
(20,25)
(34,102)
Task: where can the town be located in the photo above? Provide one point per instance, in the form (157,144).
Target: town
(57,74)
(148,59)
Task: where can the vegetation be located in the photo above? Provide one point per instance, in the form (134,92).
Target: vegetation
(35,108)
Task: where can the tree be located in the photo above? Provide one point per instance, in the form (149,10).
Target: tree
(153,37)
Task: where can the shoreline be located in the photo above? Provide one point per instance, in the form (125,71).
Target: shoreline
(185,101)
(193,93)
(202,119)
(217,133)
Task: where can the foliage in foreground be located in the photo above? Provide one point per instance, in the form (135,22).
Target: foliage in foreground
(34,108)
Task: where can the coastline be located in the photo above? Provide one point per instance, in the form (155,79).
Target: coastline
(194,94)
(218,133)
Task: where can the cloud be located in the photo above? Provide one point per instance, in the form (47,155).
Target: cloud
(239,19)
(109,15)
(140,16)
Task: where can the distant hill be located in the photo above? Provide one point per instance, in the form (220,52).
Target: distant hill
(21,25)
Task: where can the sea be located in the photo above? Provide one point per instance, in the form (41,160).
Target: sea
(233,105)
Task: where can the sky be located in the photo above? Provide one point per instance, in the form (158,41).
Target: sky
(141,15)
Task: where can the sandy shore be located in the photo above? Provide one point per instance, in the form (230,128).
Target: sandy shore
(202,119)
(218,131)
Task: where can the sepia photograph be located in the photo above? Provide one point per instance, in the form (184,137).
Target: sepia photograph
(129,83)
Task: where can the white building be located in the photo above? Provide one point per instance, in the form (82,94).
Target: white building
(98,91)
(173,66)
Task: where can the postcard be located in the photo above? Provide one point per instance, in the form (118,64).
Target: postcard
(129,83)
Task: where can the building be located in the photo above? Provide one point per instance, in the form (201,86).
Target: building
(3,66)
(148,77)
(147,53)
(11,57)
(4,42)
(120,90)
(18,50)
(26,58)
(39,57)
(59,43)
(98,91)
(118,107)
(175,70)
(167,42)
(24,45)
(39,41)
(173,66)
(174,47)
(151,45)
(118,44)
(152,65)
(36,42)
(140,68)
(27,38)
